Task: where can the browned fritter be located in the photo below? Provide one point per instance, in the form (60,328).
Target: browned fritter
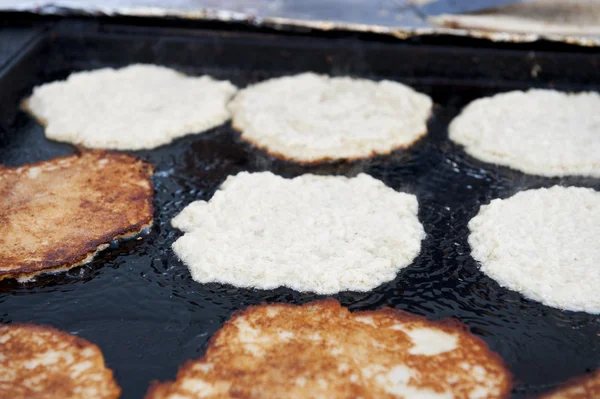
(39,362)
(57,214)
(584,387)
(321,350)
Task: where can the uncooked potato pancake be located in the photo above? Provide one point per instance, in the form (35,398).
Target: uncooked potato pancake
(321,350)
(310,118)
(323,234)
(540,132)
(132,108)
(42,362)
(57,214)
(544,244)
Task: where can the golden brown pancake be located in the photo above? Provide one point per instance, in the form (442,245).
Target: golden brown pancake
(57,214)
(39,362)
(321,350)
(584,387)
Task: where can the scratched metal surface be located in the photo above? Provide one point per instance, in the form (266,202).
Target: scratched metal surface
(138,302)
(378,12)
(399,18)
(14,38)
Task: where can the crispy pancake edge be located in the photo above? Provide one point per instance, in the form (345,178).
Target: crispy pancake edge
(287,158)
(77,341)
(578,381)
(85,255)
(158,389)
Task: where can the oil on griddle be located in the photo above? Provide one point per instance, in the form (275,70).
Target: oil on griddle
(138,302)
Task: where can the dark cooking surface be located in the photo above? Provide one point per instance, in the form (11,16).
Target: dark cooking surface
(138,302)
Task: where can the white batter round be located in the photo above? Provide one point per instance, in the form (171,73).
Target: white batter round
(543,243)
(132,108)
(541,132)
(310,118)
(322,234)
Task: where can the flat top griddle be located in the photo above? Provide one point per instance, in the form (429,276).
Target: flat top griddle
(139,303)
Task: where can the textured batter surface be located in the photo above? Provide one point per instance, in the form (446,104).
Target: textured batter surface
(320,350)
(137,107)
(322,234)
(42,362)
(57,214)
(310,118)
(541,132)
(544,244)
(586,387)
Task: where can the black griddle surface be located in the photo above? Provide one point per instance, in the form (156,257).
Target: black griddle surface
(139,303)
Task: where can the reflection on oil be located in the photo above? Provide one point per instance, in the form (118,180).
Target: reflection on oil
(140,304)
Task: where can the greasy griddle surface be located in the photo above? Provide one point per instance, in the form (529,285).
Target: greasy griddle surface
(139,303)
